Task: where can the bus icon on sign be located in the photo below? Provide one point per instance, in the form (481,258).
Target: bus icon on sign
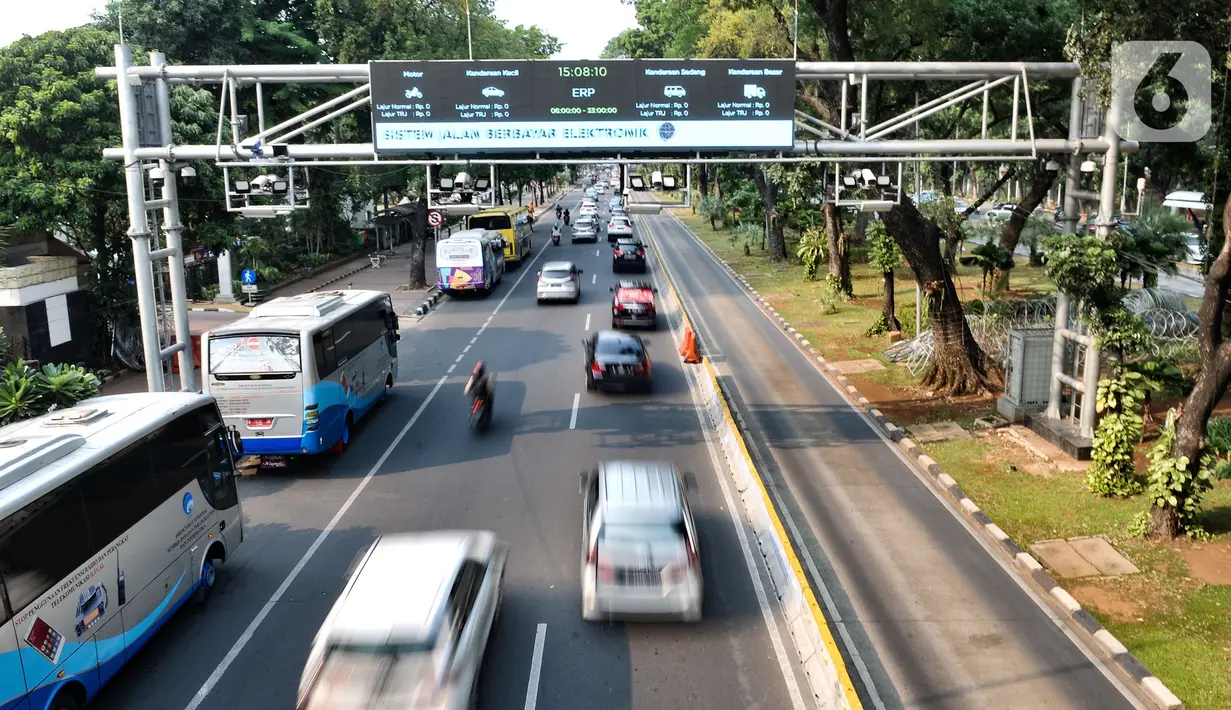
(752,91)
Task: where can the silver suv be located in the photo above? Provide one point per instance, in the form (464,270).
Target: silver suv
(639,543)
(559,281)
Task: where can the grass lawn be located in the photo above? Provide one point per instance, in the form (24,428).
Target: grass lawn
(1175,616)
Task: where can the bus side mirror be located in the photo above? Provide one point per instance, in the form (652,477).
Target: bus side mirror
(237,443)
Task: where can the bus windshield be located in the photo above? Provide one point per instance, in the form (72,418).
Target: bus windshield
(254,354)
(490,221)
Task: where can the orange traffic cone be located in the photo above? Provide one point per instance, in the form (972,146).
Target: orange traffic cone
(690,348)
(688,336)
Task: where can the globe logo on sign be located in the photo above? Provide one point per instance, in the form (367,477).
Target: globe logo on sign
(187,504)
(665,131)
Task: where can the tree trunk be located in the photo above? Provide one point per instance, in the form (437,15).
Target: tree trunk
(1040,185)
(958,365)
(418,246)
(839,249)
(889,306)
(861,226)
(1211,383)
(703,179)
(775,237)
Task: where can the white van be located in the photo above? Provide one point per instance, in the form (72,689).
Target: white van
(411,625)
(471,260)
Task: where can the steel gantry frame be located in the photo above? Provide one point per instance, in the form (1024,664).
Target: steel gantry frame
(855,139)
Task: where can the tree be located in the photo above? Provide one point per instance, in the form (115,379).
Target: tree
(667,28)
(885,256)
(775,237)
(1041,180)
(1181,472)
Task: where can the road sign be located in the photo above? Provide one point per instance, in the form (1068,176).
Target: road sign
(557,106)
(248,288)
(254,343)
(247,276)
(435,218)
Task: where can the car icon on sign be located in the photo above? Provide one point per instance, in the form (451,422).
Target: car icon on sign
(414,93)
(674,92)
(492,92)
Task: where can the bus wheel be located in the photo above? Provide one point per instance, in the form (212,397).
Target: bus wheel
(209,575)
(67,699)
(345,438)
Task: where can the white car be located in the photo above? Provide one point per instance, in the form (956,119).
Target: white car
(492,92)
(639,543)
(397,637)
(619,227)
(559,281)
(588,211)
(584,230)
(1001,214)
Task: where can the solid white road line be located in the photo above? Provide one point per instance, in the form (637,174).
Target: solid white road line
(594,279)
(572,423)
(587,321)
(246,636)
(536,667)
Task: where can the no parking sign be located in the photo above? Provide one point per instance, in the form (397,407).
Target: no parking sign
(435,218)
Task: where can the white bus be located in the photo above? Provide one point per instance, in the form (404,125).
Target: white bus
(295,375)
(471,260)
(112,514)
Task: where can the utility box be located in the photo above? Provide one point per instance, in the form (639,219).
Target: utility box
(1027,373)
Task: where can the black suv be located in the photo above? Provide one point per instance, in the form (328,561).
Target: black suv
(628,253)
(617,360)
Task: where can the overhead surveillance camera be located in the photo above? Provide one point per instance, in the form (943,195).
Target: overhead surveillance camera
(261,183)
(188,175)
(867,177)
(158,177)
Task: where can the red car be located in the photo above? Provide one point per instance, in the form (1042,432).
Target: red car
(633,304)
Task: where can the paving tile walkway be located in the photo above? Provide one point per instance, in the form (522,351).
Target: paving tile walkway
(937,431)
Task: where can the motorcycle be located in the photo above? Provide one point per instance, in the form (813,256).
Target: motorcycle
(555,236)
(566,216)
(481,411)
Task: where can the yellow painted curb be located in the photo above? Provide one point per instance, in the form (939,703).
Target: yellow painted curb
(818,615)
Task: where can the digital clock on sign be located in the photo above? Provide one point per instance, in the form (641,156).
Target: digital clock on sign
(582,71)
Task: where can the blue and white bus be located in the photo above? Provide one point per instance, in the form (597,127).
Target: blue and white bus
(295,375)
(112,515)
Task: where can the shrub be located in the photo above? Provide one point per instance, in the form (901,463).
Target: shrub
(26,392)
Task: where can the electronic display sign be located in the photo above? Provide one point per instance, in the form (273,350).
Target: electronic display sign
(553,106)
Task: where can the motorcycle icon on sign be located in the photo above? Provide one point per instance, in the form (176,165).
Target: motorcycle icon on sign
(414,93)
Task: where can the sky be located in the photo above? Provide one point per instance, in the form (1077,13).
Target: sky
(584,34)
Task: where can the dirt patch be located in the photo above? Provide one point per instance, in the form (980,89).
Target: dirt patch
(1006,450)
(913,405)
(1118,603)
(777,299)
(1209,562)
(811,324)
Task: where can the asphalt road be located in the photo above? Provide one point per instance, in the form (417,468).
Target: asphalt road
(246,648)
(929,618)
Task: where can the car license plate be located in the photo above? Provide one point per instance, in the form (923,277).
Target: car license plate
(630,256)
(260,423)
